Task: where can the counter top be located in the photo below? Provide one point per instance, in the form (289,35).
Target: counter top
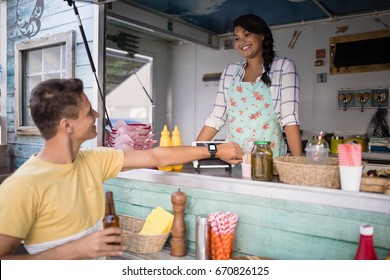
(218,179)
(275,218)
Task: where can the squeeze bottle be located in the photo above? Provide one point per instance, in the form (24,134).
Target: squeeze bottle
(176,141)
(165,141)
(366,250)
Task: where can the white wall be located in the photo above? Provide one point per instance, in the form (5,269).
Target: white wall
(193,99)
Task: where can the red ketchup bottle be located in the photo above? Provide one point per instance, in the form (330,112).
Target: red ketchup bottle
(366,250)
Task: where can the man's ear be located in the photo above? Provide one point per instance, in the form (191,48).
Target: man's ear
(66,126)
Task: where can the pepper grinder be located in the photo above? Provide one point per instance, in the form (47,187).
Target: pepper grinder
(178,241)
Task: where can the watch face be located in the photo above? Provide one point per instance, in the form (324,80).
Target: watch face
(212,147)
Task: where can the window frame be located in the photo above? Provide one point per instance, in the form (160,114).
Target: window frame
(69,40)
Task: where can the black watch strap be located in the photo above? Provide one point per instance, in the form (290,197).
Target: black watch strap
(212,150)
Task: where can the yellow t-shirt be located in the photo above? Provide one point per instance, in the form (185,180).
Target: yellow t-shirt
(49,204)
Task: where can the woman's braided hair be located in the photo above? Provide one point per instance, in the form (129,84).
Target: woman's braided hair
(257,25)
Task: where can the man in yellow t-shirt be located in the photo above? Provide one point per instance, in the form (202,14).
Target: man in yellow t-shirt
(54,202)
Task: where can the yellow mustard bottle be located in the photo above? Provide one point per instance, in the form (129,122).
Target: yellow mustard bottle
(176,141)
(165,141)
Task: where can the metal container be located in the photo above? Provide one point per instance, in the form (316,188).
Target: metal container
(202,237)
(357,140)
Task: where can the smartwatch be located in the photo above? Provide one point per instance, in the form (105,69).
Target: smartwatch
(212,150)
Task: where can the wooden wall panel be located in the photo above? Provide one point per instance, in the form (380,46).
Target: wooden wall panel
(274,228)
(57,17)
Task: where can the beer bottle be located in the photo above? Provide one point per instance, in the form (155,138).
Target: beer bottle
(110,218)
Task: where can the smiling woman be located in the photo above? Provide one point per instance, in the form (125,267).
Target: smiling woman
(251,97)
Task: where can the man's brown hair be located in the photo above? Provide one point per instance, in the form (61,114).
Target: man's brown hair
(52,100)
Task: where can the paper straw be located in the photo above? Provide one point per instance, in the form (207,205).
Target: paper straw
(222,229)
(246,158)
(320,137)
(316,155)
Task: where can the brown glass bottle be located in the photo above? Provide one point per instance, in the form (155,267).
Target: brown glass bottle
(110,218)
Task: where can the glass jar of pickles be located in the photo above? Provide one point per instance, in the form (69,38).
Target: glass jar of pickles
(261,160)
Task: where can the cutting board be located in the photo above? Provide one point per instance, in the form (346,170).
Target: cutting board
(375,184)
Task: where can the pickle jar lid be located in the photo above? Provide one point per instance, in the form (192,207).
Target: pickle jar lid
(262,142)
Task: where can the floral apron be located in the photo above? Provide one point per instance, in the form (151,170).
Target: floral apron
(251,115)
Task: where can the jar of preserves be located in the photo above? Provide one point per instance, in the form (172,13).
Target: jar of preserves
(334,142)
(261,160)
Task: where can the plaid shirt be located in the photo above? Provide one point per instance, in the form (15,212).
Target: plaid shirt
(284,90)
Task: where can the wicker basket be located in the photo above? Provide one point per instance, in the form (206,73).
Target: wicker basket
(139,243)
(296,170)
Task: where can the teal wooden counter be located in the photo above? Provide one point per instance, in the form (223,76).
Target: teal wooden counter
(276,220)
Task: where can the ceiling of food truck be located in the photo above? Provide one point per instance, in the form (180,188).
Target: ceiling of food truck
(217,15)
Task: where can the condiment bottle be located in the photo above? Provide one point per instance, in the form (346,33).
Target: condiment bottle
(165,141)
(176,141)
(328,136)
(366,250)
(178,241)
(334,142)
(262,162)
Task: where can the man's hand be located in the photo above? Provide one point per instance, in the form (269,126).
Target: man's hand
(106,242)
(230,152)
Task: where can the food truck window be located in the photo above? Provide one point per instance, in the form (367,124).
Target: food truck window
(40,59)
(127,79)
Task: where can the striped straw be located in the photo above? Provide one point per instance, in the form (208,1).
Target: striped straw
(316,155)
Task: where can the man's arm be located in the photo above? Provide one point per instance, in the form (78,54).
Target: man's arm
(93,245)
(165,156)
